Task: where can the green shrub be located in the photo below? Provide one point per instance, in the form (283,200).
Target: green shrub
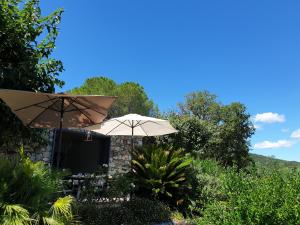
(99,214)
(29,194)
(271,196)
(161,173)
(137,211)
(206,181)
(119,185)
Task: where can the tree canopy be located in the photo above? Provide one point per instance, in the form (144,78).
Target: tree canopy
(209,129)
(27,40)
(132,97)
(202,104)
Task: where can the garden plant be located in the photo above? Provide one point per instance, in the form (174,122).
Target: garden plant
(30,194)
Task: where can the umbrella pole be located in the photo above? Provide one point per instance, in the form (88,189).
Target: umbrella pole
(132,145)
(132,139)
(60,132)
(130,193)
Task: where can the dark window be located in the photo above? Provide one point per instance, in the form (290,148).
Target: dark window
(80,155)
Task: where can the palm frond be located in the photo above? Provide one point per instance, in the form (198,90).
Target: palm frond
(51,221)
(161,171)
(62,208)
(15,215)
(26,188)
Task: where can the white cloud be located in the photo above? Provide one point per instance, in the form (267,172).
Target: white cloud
(276,144)
(258,126)
(285,130)
(269,117)
(296,134)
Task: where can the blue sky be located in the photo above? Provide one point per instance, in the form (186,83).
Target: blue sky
(246,51)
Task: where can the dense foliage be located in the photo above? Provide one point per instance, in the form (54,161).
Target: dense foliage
(206,186)
(131,96)
(137,211)
(27,40)
(209,129)
(263,195)
(29,194)
(161,173)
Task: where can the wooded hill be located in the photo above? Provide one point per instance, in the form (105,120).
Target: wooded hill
(268,160)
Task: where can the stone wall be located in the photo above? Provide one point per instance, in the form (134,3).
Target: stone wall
(119,155)
(45,153)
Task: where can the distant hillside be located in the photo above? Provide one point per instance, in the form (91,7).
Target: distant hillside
(265,160)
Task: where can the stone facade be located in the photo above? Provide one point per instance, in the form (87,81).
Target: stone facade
(45,153)
(119,157)
(119,153)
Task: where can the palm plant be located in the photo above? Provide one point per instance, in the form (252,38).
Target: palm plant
(29,194)
(161,173)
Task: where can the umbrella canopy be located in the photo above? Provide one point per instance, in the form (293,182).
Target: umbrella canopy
(45,110)
(135,125)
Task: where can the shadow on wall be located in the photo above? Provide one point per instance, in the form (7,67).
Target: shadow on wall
(80,155)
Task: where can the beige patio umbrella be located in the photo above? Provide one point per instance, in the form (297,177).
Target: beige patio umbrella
(45,110)
(134,125)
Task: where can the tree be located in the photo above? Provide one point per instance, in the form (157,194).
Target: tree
(209,129)
(132,97)
(27,40)
(193,134)
(202,105)
(235,130)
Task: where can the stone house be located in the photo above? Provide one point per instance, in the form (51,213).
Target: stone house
(81,154)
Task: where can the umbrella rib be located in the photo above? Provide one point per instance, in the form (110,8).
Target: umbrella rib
(137,124)
(91,103)
(114,128)
(132,127)
(42,112)
(46,108)
(143,130)
(70,103)
(131,124)
(83,113)
(90,108)
(140,123)
(121,122)
(35,104)
(149,121)
(71,110)
(39,106)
